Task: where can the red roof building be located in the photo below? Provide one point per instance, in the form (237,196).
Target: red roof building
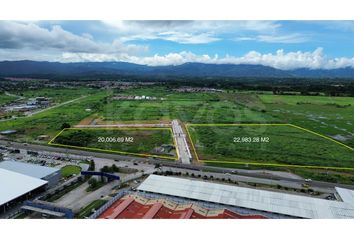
(138,207)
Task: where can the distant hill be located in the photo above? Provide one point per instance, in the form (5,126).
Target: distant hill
(21,68)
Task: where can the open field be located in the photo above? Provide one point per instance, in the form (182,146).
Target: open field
(330,116)
(268,145)
(4,99)
(50,122)
(134,141)
(317,100)
(187,107)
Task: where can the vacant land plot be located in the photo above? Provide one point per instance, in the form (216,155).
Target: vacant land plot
(268,145)
(188,107)
(139,141)
(296,99)
(330,116)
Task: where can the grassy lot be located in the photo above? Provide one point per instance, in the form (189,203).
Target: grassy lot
(88,210)
(49,122)
(69,170)
(330,116)
(318,100)
(127,140)
(286,145)
(4,99)
(188,107)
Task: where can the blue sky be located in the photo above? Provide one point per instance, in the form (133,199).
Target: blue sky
(280,44)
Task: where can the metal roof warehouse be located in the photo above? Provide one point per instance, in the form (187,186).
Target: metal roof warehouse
(268,201)
(31,170)
(14,185)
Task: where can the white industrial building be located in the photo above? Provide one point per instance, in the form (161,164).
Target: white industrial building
(15,186)
(51,175)
(267,201)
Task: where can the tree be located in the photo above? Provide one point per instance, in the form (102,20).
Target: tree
(93,182)
(106,169)
(92,166)
(114,168)
(65,125)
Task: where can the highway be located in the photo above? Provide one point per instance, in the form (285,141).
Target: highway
(240,172)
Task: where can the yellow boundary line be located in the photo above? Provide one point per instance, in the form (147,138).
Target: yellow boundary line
(114,151)
(265,164)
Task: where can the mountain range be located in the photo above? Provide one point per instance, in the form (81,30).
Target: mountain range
(22,68)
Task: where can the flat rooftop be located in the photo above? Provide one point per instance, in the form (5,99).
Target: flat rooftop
(275,202)
(346,194)
(14,185)
(28,169)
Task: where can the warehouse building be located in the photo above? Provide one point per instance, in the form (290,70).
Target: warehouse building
(283,204)
(16,187)
(51,175)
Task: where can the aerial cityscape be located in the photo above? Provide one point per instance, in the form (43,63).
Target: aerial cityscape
(176,120)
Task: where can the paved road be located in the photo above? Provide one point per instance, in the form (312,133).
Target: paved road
(247,179)
(241,172)
(55,106)
(13,95)
(79,198)
(182,146)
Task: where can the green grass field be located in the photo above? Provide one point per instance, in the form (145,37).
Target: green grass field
(50,122)
(188,107)
(70,170)
(4,99)
(317,100)
(134,141)
(285,145)
(330,116)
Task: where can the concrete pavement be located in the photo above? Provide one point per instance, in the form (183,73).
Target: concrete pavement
(180,140)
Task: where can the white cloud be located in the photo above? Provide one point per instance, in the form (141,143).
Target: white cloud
(187,32)
(280,59)
(21,35)
(277,38)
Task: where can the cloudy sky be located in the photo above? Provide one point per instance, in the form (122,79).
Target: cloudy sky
(280,44)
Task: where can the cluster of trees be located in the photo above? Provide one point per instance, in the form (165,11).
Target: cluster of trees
(111,169)
(76,138)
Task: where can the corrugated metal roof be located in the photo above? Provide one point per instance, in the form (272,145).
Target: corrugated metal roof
(31,170)
(346,195)
(14,185)
(281,203)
